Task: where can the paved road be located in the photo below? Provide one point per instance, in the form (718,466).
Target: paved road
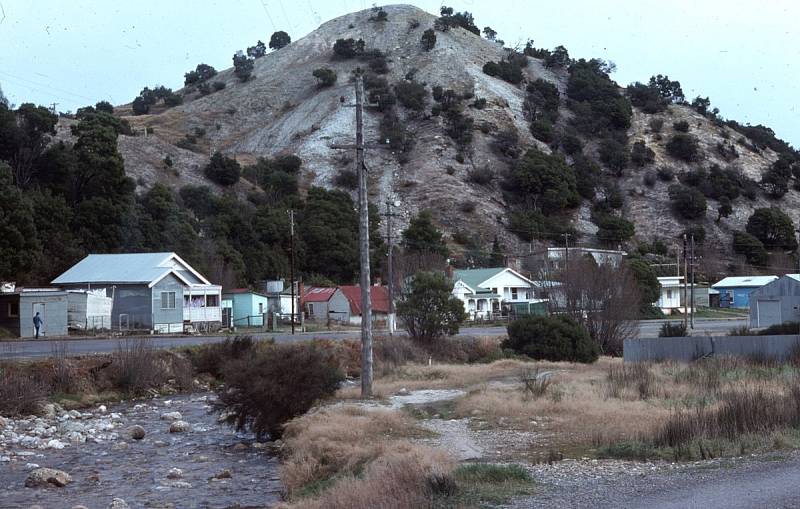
(44,348)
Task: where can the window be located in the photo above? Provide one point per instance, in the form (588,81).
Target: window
(260,308)
(494,290)
(513,294)
(212,301)
(13,309)
(167,300)
(669,294)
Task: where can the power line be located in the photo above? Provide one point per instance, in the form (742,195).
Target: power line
(47,87)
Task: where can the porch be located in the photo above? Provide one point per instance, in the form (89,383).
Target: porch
(202,303)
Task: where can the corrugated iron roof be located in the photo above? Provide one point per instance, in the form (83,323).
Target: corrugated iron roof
(119,268)
(744,281)
(379,297)
(318,294)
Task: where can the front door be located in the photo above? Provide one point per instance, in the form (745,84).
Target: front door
(38,307)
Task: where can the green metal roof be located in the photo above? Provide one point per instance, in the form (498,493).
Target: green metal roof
(474,277)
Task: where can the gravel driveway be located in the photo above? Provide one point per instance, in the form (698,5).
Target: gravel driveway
(764,481)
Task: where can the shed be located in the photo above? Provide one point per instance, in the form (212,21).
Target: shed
(248,307)
(88,310)
(776,302)
(734,291)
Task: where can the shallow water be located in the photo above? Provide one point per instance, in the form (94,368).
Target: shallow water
(138,473)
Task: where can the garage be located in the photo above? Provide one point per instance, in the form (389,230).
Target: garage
(768,312)
(776,302)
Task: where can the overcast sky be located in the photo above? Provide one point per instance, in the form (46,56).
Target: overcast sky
(743,54)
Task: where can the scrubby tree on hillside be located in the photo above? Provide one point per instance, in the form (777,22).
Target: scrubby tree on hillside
(325,76)
(242,67)
(222,170)
(773,227)
(751,248)
(202,72)
(428,39)
(559,57)
(257,51)
(489,33)
(683,146)
(687,202)
(422,236)
(279,40)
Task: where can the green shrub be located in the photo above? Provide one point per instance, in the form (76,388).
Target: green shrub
(325,76)
(552,338)
(683,146)
(672,330)
(268,388)
(542,130)
(641,154)
(347,179)
(505,70)
(681,126)
(411,95)
(750,247)
(481,176)
(687,202)
(223,170)
(428,39)
(773,227)
(243,67)
(665,174)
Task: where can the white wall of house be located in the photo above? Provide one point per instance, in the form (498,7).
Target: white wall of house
(510,287)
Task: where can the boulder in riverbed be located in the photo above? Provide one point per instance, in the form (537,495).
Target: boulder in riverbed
(136,432)
(118,503)
(180,427)
(175,473)
(44,477)
(171,416)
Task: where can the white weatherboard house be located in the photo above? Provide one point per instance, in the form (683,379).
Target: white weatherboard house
(670,297)
(484,291)
(150,291)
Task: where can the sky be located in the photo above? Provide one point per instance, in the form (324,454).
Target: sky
(744,55)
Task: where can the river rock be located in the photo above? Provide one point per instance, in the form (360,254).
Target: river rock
(179,427)
(171,416)
(118,503)
(223,474)
(119,446)
(79,507)
(175,473)
(136,432)
(49,410)
(102,409)
(3,422)
(55,444)
(74,414)
(47,477)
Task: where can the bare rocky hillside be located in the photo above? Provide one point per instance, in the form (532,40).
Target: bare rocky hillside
(283,110)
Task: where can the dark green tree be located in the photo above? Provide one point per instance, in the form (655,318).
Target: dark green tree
(222,170)
(428,308)
(428,39)
(725,208)
(559,57)
(751,248)
(422,236)
(20,248)
(687,202)
(552,338)
(773,227)
(646,281)
(683,146)
(497,258)
(242,67)
(326,77)
(641,154)
(543,181)
(202,72)
(279,40)
(329,224)
(257,51)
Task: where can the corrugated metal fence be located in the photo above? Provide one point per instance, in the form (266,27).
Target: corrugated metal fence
(692,348)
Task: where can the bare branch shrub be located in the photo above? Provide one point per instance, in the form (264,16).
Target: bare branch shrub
(604,298)
(135,366)
(21,393)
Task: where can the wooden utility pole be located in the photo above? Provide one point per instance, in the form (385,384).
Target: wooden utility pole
(291,261)
(566,251)
(363,240)
(390,269)
(685,281)
(691,271)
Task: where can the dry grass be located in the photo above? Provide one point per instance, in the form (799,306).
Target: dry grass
(407,476)
(339,441)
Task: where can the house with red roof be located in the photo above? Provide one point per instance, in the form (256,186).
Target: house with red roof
(342,304)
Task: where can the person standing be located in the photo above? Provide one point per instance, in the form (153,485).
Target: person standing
(37,323)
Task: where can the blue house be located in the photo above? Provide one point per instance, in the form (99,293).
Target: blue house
(247,307)
(734,292)
(159,292)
